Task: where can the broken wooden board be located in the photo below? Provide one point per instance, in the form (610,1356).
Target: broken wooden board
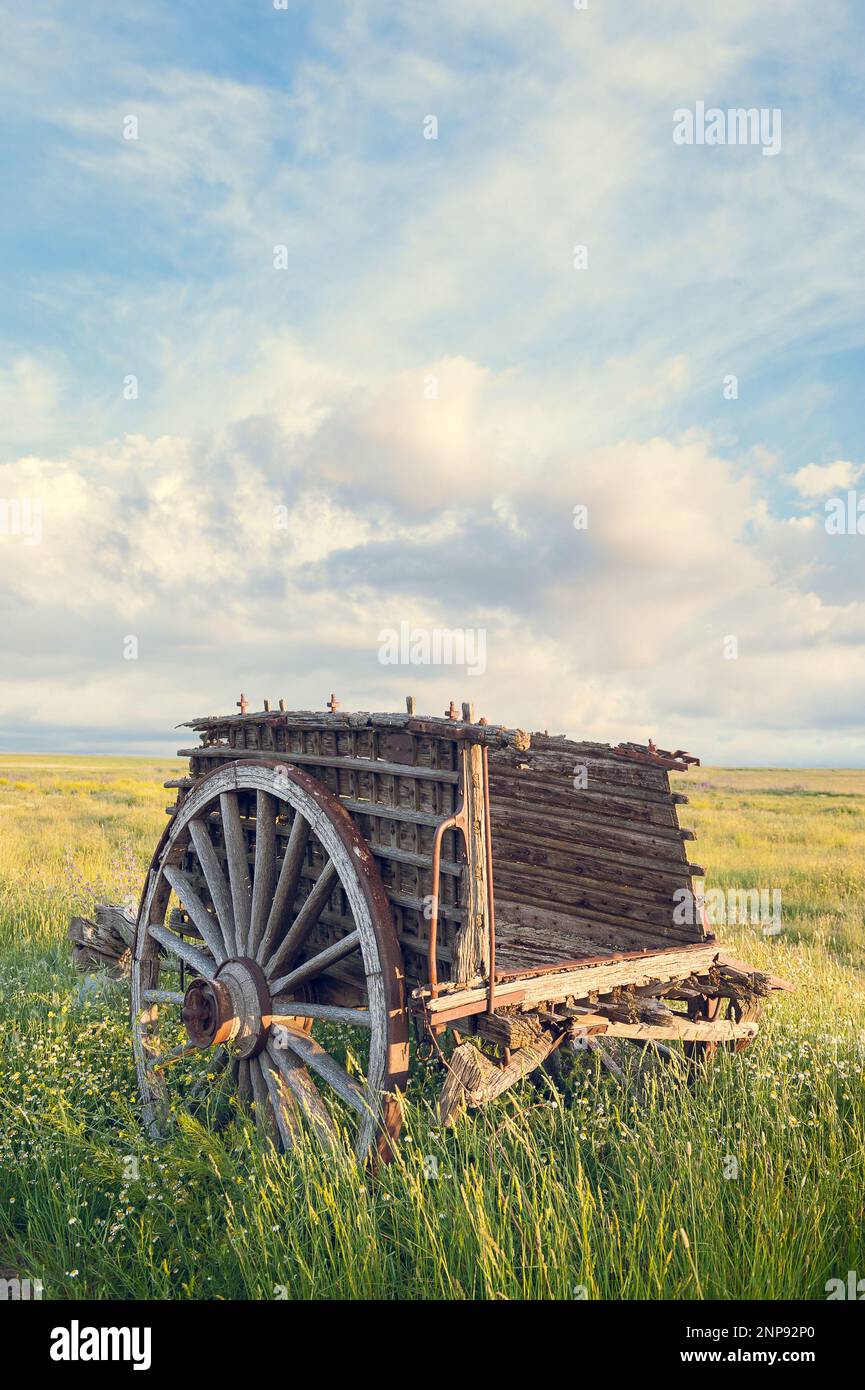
(474,1080)
(103,944)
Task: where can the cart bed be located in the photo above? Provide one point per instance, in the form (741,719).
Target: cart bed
(587,852)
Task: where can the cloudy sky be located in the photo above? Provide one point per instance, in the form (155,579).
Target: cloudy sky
(278,371)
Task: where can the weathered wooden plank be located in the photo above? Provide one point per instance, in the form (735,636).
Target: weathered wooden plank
(117,918)
(727,962)
(605,800)
(472,945)
(455,731)
(547,929)
(386,812)
(104,944)
(420,861)
(433,726)
(619,772)
(680,1030)
(577,983)
(585,909)
(639,877)
(632,1008)
(584,896)
(370,765)
(512,1030)
(530,821)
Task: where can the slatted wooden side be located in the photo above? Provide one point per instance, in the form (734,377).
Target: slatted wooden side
(397,786)
(583,872)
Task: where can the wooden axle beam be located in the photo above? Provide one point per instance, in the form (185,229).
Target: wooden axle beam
(680,1029)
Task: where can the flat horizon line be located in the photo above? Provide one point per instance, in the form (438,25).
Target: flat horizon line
(694,772)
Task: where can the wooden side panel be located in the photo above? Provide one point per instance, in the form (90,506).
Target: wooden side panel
(587,855)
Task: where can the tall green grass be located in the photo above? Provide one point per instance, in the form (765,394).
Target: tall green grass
(749,1184)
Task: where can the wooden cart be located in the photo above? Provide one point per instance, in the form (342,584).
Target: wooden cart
(327,879)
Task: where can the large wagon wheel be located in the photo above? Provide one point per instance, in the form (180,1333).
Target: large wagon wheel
(294,936)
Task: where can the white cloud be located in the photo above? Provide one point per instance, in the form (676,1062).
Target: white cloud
(402,508)
(818,480)
(28,393)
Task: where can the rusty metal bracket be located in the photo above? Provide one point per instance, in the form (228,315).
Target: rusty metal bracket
(455,822)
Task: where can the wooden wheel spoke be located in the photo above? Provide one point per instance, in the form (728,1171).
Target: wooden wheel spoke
(238,868)
(286,888)
(264,870)
(305,1092)
(206,923)
(285,1009)
(316,964)
(281,1099)
(201,964)
(162,996)
(215,880)
(313,1055)
(310,911)
(241,1070)
(265,1116)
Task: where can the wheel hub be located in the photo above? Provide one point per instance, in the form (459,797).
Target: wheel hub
(230,1008)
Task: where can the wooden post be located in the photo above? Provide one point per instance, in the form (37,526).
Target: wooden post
(472,946)
(410,704)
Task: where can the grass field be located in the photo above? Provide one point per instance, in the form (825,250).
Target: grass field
(749,1185)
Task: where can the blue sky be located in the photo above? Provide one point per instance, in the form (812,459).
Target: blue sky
(406,259)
